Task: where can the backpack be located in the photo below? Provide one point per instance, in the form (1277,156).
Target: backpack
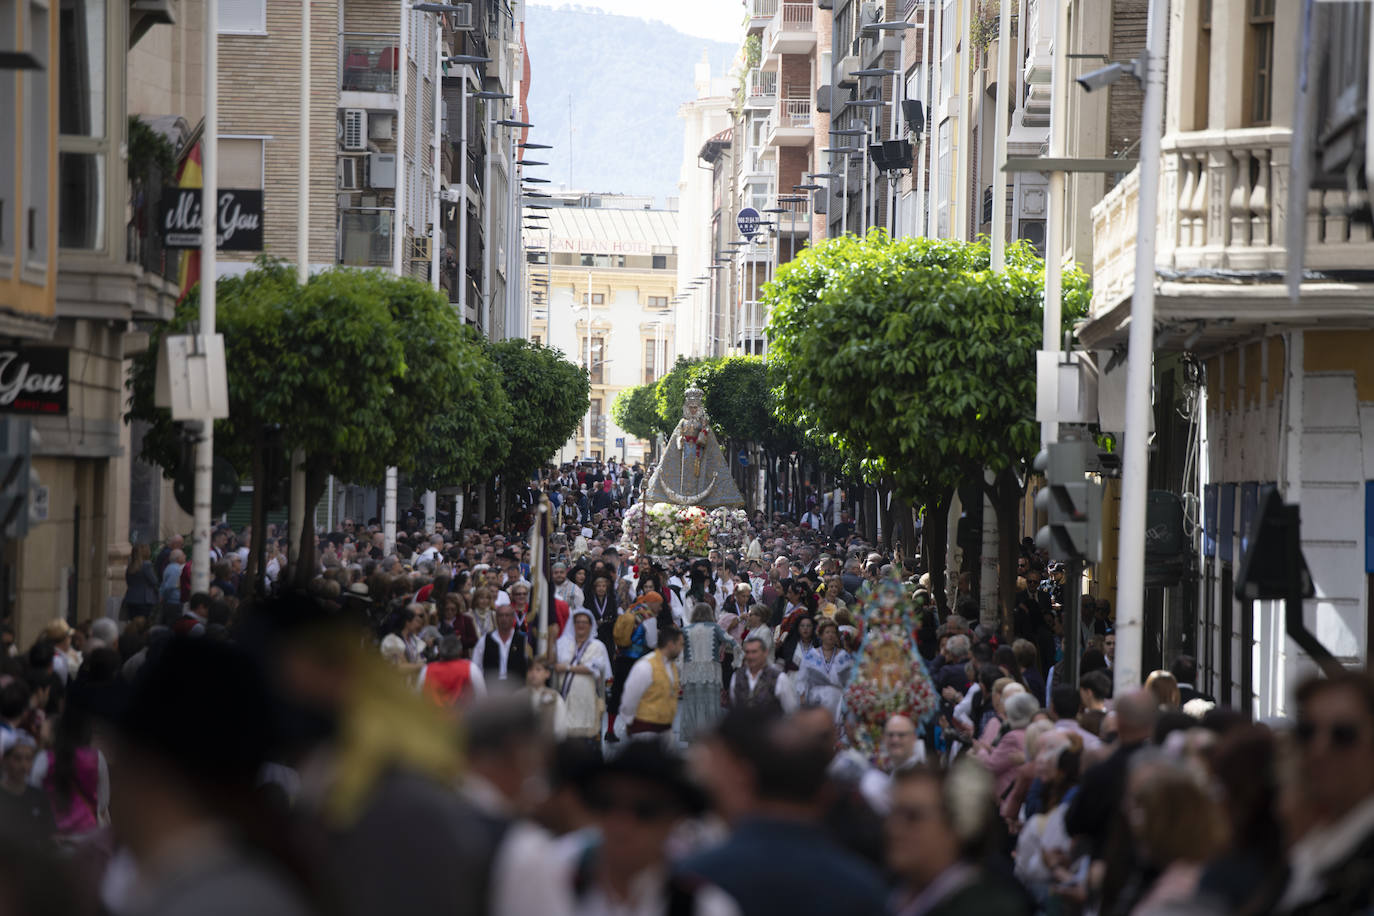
(625,626)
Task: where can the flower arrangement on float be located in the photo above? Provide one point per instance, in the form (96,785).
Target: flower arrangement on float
(889,676)
(665,530)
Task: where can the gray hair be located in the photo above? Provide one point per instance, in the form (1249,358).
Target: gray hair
(758,640)
(703,613)
(957,646)
(105,630)
(1021,708)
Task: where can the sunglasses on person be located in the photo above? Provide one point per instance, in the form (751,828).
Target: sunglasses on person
(1341,735)
(641,809)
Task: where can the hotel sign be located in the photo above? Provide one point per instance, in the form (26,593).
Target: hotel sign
(601,246)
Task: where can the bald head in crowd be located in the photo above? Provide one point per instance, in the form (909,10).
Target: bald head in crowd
(1136,712)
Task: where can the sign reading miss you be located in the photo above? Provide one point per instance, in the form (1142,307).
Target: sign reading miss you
(33,380)
(239,218)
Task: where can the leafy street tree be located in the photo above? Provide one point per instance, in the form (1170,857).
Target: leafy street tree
(346,367)
(549,397)
(915,359)
(465,439)
(635,410)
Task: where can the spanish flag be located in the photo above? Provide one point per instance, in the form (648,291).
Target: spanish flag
(189,175)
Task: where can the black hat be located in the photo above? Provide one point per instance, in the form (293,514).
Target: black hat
(203,705)
(649,761)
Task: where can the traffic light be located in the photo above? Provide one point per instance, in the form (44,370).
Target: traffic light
(17,478)
(1071,502)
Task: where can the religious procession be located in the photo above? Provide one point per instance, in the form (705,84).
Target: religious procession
(667,708)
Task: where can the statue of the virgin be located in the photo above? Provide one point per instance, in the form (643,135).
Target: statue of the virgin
(693,471)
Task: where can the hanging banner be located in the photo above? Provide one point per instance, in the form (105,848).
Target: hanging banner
(239,215)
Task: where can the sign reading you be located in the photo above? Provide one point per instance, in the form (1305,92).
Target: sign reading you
(239,218)
(33,380)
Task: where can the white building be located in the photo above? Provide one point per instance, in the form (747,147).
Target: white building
(625,254)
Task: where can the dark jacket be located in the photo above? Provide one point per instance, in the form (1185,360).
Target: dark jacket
(850,886)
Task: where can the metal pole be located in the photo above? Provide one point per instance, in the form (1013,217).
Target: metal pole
(486,227)
(937,82)
(389,512)
(296,507)
(924,139)
(463,199)
(398,231)
(999,177)
(587,421)
(1130,593)
(960,185)
(1054,234)
(435,236)
(1073,622)
(209,237)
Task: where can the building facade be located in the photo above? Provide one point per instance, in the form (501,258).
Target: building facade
(1276,390)
(609,265)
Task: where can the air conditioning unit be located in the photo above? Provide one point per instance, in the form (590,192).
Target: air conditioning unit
(349,173)
(379,127)
(355,129)
(381,170)
(462,17)
(419,248)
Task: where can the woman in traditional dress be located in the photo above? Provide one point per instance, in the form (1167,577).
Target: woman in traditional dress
(759,628)
(580,678)
(482,610)
(797,643)
(702,674)
(825,670)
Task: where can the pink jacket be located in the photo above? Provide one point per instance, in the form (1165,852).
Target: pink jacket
(1005,758)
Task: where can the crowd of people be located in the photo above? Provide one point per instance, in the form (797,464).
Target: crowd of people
(405,737)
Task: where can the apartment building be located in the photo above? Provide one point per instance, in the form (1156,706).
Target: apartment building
(607,270)
(1271,391)
(705,117)
(78,265)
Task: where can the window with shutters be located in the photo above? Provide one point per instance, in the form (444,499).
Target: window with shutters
(1259,61)
(243,16)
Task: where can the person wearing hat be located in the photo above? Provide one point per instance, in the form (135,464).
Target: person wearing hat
(580,676)
(637,800)
(189,741)
(452,679)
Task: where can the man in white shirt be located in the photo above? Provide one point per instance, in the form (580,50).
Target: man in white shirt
(648,704)
(637,800)
(759,685)
(903,751)
(433,552)
(493,651)
(565,589)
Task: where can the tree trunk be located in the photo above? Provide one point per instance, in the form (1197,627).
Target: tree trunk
(253,574)
(884,518)
(937,544)
(1005,496)
(316,479)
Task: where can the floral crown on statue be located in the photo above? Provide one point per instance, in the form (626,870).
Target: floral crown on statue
(694,395)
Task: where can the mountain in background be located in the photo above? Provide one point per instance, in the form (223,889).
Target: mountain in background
(626,79)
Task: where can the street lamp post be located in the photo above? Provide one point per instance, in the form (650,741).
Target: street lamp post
(898,92)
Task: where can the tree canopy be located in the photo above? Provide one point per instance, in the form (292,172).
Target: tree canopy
(549,396)
(912,355)
(635,410)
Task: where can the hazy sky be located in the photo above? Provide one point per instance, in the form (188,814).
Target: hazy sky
(721,20)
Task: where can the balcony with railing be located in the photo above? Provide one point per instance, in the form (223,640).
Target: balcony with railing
(365,237)
(791,30)
(790,123)
(1222,219)
(761,89)
(368,62)
(761,14)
